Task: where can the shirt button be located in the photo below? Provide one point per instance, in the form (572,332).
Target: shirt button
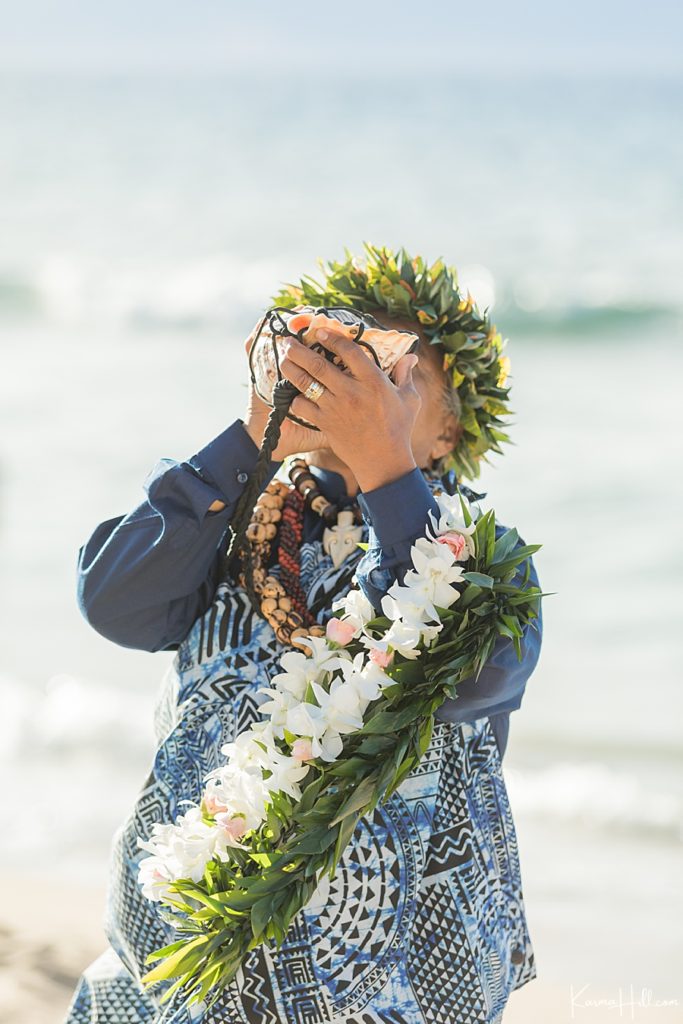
(242,477)
(517,956)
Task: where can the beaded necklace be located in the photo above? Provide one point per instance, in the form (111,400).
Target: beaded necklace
(279,513)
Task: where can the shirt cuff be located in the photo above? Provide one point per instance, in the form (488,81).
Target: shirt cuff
(398,511)
(227,462)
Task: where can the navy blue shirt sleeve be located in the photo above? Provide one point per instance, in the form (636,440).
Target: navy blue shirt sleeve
(397,514)
(144,578)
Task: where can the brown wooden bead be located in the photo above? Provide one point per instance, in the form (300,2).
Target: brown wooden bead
(260,515)
(268,605)
(303,477)
(275,515)
(257,532)
(283,634)
(272,587)
(284,602)
(317,630)
(279,616)
(271,530)
(296,620)
(268,501)
(319,503)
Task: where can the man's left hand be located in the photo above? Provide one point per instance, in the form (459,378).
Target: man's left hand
(366,418)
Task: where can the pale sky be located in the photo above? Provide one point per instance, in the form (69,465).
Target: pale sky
(582,36)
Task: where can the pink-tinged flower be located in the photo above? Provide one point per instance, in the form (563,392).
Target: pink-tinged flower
(302,749)
(340,631)
(381,658)
(213,806)
(455,541)
(233,827)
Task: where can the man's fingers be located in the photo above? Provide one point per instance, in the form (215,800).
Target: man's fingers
(301,378)
(403,371)
(315,364)
(306,410)
(362,366)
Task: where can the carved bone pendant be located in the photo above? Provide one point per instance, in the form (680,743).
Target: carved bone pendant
(340,540)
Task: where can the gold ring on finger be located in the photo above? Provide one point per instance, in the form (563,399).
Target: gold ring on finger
(314,391)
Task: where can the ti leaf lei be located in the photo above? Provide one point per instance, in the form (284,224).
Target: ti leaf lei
(247,890)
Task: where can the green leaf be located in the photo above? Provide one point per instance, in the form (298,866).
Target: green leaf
(480,579)
(179,962)
(513,623)
(376,744)
(315,841)
(514,560)
(159,954)
(346,769)
(261,913)
(467,517)
(392,721)
(425,735)
(266,860)
(309,795)
(360,796)
(346,830)
(504,545)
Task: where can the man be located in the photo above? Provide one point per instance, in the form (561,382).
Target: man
(150,580)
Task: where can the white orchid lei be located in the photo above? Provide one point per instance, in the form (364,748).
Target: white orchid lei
(352,717)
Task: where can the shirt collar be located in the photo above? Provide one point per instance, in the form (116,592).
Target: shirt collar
(333,485)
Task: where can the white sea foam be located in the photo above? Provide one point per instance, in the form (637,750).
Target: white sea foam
(598,796)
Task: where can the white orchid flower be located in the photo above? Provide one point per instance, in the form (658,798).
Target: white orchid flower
(184,849)
(154,876)
(409,604)
(286,773)
(341,705)
(452,519)
(436,570)
(239,791)
(300,669)
(328,747)
(356,607)
(306,719)
(245,750)
(401,636)
(365,676)
(279,707)
(309,722)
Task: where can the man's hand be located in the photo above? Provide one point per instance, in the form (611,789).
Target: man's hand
(367,419)
(294,439)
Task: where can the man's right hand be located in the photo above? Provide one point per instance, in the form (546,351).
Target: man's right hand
(294,439)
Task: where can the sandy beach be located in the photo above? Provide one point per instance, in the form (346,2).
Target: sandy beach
(42,956)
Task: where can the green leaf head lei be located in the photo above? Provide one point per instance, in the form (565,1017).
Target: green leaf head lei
(407,287)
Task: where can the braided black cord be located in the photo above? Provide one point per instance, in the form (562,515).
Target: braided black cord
(284,393)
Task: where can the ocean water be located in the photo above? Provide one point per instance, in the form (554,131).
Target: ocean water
(145,223)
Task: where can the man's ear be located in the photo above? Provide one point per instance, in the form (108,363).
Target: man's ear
(448,437)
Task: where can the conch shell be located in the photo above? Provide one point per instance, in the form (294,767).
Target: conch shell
(388,345)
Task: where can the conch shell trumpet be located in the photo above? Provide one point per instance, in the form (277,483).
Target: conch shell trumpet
(378,343)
